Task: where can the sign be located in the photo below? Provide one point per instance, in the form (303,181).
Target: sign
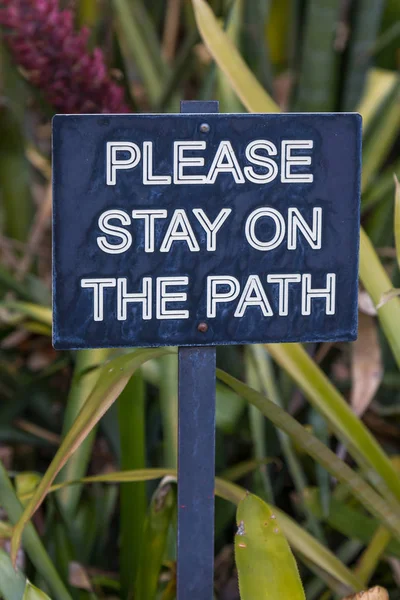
(205,229)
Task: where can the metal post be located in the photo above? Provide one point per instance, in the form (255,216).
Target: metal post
(196,458)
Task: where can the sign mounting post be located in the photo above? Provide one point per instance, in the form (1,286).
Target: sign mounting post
(196,454)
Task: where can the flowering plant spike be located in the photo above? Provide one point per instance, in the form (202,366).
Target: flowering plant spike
(55,58)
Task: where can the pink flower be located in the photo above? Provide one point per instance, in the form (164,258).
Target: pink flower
(55,58)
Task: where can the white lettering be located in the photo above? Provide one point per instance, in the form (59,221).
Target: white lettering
(283,283)
(179,230)
(263,161)
(288,160)
(225,161)
(98,285)
(164,297)
(329,293)
(124,298)
(280,228)
(149,217)
(148,177)
(112,162)
(119,232)
(181,162)
(211,229)
(253,295)
(213,298)
(312,234)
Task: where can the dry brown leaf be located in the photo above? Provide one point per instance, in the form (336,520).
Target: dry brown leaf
(375,593)
(365,304)
(366,368)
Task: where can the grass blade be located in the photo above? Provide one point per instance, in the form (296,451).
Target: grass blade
(12,582)
(137,45)
(132,424)
(318,72)
(378,86)
(323,455)
(112,380)
(14,167)
(270,389)
(349,521)
(83,383)
(397,219)
(364,33)
(377,283)
(33,593)
(266,566)
(169,408)
(31,540)
(381,134)
(298,538)
(373,554)
(39,313)
(258,434)
(226,55)
(154,541)
(255,48)
(326,398)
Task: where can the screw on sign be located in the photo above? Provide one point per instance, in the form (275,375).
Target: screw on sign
(200,229)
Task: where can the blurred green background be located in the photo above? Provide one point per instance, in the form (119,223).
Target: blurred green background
(312,430)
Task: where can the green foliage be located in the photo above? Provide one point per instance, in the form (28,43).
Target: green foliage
(266,566)
(281,409)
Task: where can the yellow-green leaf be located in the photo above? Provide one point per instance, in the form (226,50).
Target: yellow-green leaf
(387,296)
(397,218)
(112,379)
(35,311)
(377,505)
(226,55)
(266,566)
(154,542)
(326,398)
(33,593)
(12,582)
(302,541)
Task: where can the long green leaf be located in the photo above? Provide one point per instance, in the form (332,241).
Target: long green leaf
(154,544)
(349,521)
(363,35)
(169,408)
(319,452)
(39,313)
(14,168)
(381,134)
(270,388)
(31,540)
(326,398)
(373,554)
(318,73)
(377,283)
(137,44)
(12,582)
(249,90)
(112,380)
(266,566)
(33,593)
(299,539)
(83,382)
(132,425)
(397,218)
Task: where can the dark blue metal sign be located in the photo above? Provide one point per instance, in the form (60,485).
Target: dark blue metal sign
(194,229)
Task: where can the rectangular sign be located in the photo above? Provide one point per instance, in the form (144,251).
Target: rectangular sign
(194,229)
